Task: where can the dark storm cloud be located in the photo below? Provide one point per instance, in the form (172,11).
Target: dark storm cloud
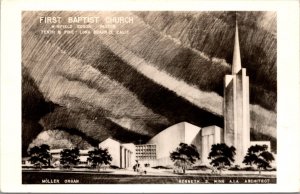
(34,107)
(213,33)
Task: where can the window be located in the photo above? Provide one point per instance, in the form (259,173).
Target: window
(147,151)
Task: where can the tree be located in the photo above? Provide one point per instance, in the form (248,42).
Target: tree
(221,155)
(98,157)
(259,156)
(40,155)
(69,157)
(184,156)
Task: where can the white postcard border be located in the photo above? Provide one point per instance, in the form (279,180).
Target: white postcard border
(287,107)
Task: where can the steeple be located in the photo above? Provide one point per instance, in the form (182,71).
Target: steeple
(236,61)
(236,106)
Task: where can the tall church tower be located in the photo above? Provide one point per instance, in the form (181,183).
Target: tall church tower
(236,105)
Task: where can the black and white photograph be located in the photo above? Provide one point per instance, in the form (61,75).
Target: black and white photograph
(149,97)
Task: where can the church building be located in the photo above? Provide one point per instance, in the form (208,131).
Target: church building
(236,132)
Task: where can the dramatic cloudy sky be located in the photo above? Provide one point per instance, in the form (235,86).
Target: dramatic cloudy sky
(82,88)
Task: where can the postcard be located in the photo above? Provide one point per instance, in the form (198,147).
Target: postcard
(126,98)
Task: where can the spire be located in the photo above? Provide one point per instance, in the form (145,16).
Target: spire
(236,61)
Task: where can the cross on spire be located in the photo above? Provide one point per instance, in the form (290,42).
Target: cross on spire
(140,141)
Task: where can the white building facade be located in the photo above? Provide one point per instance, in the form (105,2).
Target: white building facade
(123,155)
